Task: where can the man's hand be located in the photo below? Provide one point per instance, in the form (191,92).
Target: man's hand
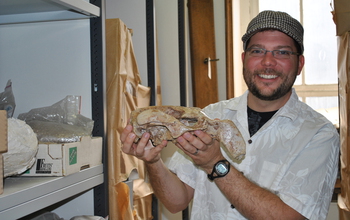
(201,147)
(144,149)
(173,193)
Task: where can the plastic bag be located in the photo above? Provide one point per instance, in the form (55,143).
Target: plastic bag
(88,217)
(7,100)
(60,122)
(48,216)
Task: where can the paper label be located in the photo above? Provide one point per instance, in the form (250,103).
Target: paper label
(73,153)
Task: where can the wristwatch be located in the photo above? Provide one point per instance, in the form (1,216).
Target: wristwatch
(221,169)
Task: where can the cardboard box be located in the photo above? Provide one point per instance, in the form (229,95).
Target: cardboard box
(1,175)
(3,145)
(342,16)
(3,131)
(68,158)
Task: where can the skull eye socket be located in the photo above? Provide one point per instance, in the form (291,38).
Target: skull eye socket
(190,122)
(174,113)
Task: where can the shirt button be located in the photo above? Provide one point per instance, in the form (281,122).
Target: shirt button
(250,141)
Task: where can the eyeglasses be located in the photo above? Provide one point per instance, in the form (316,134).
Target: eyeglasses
(279,54)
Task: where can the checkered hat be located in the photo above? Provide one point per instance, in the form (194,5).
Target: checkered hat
(275,20)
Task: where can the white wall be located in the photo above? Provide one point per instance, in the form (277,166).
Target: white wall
(219,22)
(133,14)
(47,61)
(167,36)
(333,213)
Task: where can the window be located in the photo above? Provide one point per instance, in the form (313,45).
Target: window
(318,84)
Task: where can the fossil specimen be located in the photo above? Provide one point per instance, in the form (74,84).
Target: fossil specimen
(170,122)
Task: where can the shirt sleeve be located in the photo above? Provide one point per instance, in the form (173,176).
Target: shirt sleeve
(318,162)
(183,167)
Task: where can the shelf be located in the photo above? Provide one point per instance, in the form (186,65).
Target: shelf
(25,195)
(24,11)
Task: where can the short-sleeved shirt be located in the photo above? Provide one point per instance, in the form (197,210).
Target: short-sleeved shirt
(294,155)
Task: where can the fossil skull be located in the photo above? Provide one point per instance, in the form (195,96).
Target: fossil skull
(170,122)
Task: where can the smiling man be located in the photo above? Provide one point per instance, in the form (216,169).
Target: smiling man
(291,160)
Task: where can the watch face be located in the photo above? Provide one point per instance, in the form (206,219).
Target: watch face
(221,168)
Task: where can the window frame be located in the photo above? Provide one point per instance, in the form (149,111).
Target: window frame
(309,90)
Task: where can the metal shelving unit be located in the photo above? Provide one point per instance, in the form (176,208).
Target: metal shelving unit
(26,195)
(23,11)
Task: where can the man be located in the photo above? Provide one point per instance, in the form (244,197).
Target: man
(290,166)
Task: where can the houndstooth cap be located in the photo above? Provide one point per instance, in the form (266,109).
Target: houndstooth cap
(275,20)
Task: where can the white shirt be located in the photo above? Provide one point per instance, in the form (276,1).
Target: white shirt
(295,155)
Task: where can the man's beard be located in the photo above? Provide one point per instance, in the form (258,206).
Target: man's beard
(281,91)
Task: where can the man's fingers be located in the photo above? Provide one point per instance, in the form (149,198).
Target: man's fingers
(127,130)
(205,138)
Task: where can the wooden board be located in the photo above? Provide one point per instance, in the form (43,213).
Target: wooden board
(202,46)
(229,49)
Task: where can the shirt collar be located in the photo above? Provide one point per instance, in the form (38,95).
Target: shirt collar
(290,109)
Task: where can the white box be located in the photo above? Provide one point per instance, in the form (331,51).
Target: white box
(67,158)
